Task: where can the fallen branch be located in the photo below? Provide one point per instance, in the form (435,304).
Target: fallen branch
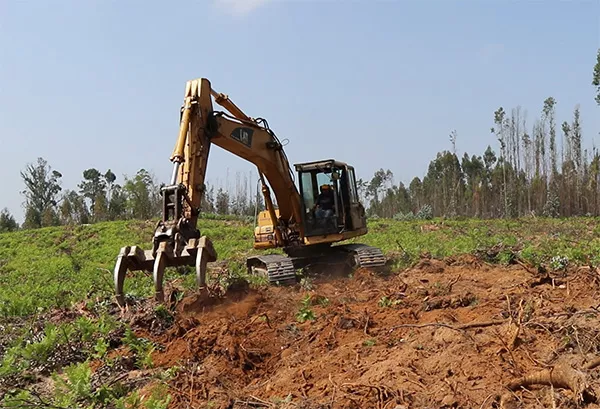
(456,328)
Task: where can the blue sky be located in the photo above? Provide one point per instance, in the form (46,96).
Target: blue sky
(379,84)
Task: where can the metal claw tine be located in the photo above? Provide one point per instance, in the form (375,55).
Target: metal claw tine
(119,276)
(201,261)
(158,274)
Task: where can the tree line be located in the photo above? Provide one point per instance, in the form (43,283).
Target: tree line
(540,168)
(99,197)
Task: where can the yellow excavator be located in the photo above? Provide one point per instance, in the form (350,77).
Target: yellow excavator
(308,222)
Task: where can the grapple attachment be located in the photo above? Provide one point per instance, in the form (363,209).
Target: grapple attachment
(196,253)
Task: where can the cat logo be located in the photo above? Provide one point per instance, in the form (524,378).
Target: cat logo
(243,135)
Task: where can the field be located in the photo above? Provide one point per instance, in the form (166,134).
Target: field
(468,314)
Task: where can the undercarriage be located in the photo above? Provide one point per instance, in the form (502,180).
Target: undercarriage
(281,269)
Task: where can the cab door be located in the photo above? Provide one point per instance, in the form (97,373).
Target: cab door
(358,216)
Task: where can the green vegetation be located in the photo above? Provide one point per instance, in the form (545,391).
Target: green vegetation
(55,267)
(305,313)
(81,337)
(534,240)
(75,390)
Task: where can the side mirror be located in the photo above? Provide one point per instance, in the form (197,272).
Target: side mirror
(335,175)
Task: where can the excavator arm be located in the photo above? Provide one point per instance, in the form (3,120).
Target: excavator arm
(177,240)
(237,133)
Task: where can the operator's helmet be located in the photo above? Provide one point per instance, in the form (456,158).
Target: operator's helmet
(325,187)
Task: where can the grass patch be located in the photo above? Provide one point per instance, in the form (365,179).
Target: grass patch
(537,241)
(57,266)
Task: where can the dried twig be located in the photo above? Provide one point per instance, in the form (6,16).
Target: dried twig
(592,364)
(456,328)
(264,402)
(258,404)
(267,320)
(451,283)
(515,336)
(525,266)
(485,400)
(383,394)
(192,385)
(535,361)
(334,389)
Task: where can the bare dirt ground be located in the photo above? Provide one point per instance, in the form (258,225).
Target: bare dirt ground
(454,333)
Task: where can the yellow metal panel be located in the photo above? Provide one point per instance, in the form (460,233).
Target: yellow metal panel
(332,238)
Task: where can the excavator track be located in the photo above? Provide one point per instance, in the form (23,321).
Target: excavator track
(366,256)
(277,268)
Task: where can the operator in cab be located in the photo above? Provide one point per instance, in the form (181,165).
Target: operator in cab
(325,202)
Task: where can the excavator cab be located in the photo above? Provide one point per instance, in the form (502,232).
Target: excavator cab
(346,218)
(335,181)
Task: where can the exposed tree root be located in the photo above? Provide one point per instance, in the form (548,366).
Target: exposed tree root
(560,376)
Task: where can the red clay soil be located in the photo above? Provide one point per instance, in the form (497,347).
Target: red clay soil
(395,341)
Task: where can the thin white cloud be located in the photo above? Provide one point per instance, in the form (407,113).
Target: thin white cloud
(240,7)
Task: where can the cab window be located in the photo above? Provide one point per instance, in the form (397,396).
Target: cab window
(352,182)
